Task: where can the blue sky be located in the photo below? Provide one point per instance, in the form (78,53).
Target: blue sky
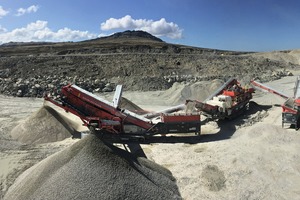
(253,25)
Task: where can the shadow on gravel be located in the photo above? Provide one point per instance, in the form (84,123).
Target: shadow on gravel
(227,127)
(254,114)
(58,117)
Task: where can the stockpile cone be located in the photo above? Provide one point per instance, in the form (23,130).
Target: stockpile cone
(43,126)
(92,169)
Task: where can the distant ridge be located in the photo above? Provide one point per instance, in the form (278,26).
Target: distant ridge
(120,35)
(11,44)
(135,59)
(133,34)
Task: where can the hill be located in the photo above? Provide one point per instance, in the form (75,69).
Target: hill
(135,59)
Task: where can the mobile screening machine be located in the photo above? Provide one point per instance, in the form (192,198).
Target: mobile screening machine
(104,117)
(230,100)
(291,106)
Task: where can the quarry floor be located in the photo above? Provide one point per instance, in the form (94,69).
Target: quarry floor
(251,157)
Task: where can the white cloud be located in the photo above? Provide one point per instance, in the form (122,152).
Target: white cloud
(103,35)
(39,31)
(2,30)
(157,28)
(30,9)
(3,12)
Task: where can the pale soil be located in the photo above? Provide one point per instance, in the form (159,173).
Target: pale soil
(290,56)
(247,158)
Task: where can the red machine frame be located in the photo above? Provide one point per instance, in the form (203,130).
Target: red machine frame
(291,106)
(100,116)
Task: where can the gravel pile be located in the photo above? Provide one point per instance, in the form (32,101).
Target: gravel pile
(92,169)
(43,126)
(129,105)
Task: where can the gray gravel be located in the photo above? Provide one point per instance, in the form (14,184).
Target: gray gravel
(91,169)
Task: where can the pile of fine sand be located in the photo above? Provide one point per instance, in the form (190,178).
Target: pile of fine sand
(175,95)
(45,125)
(91,169)
(129,105)
(283,56)
(180,92)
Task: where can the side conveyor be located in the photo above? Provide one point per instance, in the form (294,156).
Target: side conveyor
(265,88)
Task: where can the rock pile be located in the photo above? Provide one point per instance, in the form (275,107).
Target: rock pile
(37,86)
(266,77)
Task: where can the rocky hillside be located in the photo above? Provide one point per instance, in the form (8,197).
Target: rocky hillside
(135,59)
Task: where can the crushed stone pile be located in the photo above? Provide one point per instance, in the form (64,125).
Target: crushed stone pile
(129,105)
(92,169)
(43,126)
(180,92)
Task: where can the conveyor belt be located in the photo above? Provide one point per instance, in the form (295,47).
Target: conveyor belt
(297,88)
(218,91)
